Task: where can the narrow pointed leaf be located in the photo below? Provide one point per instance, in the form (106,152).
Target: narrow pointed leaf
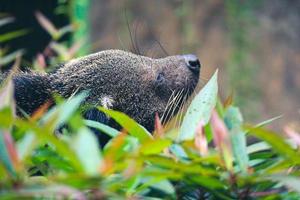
(86,147)
(102,127)
(4,155)
(200,109)
(277,142)
(131,126)
(233,120)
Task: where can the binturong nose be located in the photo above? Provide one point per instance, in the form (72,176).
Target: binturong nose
(192,63)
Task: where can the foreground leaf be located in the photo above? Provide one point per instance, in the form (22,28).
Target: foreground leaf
(277,142)
(102,127)
(131,126)
(5,156)
(289,181)
(86,147)
(200,109)
(233,120)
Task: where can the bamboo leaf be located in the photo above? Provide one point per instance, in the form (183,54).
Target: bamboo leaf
(131,126)
(6,20)
(102,127)
(200,109)
(4,155)
(47,25)
(11,35)
(289,181)
(155,146)
(86,147)
(277,142)
(233,120)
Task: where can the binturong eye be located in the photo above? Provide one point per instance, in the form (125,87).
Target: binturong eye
(160,79)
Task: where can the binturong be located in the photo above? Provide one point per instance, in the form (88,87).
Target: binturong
(136,85)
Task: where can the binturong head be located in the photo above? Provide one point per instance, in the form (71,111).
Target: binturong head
(136,85)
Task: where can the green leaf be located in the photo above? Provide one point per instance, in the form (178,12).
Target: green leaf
(233,120)
(6,20)
(102,127)
(208,182)
(11,57)
(155,146)
(45,158)
(87,149)
(26,145)
(45,135)
(277,142)
(259,146)
(178,151)
(131,126)
(6,117)
(291,182)
(11,35)
(63,112)
(268,121)
(200,109)
(162,186)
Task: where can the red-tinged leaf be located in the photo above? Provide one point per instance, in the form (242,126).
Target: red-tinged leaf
(159,130)
(132,169)
(75,48)
(40,59)
(9,143)
(221,139)
(229,100)
(200,139)
(291,133)
(41,111)
(111,149)
(47,25)
(5,156)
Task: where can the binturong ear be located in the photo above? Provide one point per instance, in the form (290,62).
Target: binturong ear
(98,116)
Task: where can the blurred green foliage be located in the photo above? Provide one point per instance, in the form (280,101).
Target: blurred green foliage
(241,67)
(80,18)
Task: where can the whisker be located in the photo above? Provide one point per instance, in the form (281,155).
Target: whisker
(164,120)
(168,104)
(180,111)
(176,116)
(121,43)
(130,34)
(136,40)
(175,105)
(161,46)
(166,116)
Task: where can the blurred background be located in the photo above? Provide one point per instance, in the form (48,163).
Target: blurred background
(254,44)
